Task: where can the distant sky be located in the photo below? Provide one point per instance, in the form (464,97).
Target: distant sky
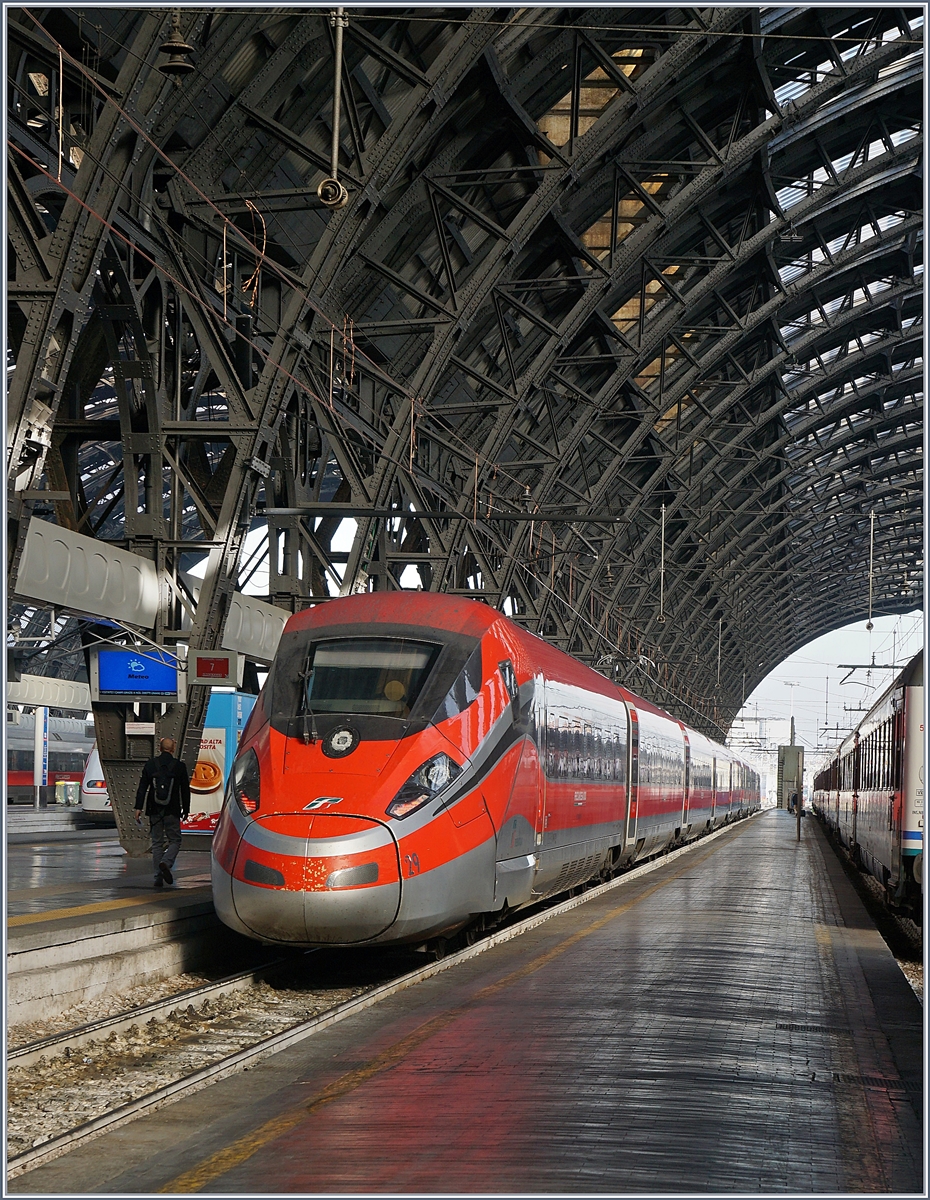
(819,698)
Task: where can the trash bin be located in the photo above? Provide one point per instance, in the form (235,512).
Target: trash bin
(67,793)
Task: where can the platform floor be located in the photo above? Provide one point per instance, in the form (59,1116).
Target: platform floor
(730,1022)
(58,873)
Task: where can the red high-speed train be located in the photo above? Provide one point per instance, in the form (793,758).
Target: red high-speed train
(418,764)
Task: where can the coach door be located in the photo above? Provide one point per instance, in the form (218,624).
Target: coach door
(857,776)
(686,804)
(633,790)
(546,744)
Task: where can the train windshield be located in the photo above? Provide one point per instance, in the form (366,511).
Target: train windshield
(367,675)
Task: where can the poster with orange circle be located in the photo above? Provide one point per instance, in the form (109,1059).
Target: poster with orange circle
(207,780)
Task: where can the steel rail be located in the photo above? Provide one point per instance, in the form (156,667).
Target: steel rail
(157,1010)
(55,1147)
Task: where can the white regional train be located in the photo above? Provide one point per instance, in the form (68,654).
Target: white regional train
(95,799)
(872,793)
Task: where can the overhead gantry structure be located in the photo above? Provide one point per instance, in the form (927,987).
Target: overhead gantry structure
(619,330)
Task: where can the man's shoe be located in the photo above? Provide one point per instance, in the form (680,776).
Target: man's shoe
(165,872)
(159,882)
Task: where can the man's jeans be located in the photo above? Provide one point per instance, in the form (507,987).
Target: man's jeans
(166,839)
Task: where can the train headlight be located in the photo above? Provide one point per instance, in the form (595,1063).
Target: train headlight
(423,785)
(245,781)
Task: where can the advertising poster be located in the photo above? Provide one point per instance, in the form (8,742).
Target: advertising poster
(207,781)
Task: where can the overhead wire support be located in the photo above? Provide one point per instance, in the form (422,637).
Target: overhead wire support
(331,193)
(661,616)
(61,111)
(869,624)
(339,22)
(719,646)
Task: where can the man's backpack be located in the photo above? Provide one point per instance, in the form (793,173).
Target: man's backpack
(163,783)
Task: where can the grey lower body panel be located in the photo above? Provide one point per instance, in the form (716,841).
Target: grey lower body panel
(446,897)
(514,879)
(564,867)
(421,906)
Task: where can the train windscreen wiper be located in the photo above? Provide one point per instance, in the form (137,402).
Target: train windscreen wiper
(311,736)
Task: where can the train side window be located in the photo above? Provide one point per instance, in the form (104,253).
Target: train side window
(562,747)
(509,675)
(889,725)
(465,689)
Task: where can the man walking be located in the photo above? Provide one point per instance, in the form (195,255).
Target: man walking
(164,795)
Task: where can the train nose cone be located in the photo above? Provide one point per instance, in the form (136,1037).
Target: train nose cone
(316,879)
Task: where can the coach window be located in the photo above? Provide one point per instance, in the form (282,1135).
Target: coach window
(509,676)
(565,747)
(555,742)
(465,689)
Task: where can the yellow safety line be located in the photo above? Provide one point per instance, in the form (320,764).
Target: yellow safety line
(232,1156)
(61,914)
(105,881)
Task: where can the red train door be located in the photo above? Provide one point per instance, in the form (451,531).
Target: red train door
(542,727)
(686,803)
(633,790)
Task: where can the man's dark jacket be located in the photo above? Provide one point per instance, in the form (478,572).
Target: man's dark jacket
(180,803)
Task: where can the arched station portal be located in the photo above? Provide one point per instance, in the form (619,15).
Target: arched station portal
(620,328)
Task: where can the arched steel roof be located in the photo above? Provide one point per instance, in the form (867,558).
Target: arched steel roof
(626,304)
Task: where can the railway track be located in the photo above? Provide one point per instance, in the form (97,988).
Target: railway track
(194,1015)
(902,934)
(157,1010)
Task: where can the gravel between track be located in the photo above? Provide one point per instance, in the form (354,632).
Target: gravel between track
(903,936)
(58,1093)
(102,1006)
